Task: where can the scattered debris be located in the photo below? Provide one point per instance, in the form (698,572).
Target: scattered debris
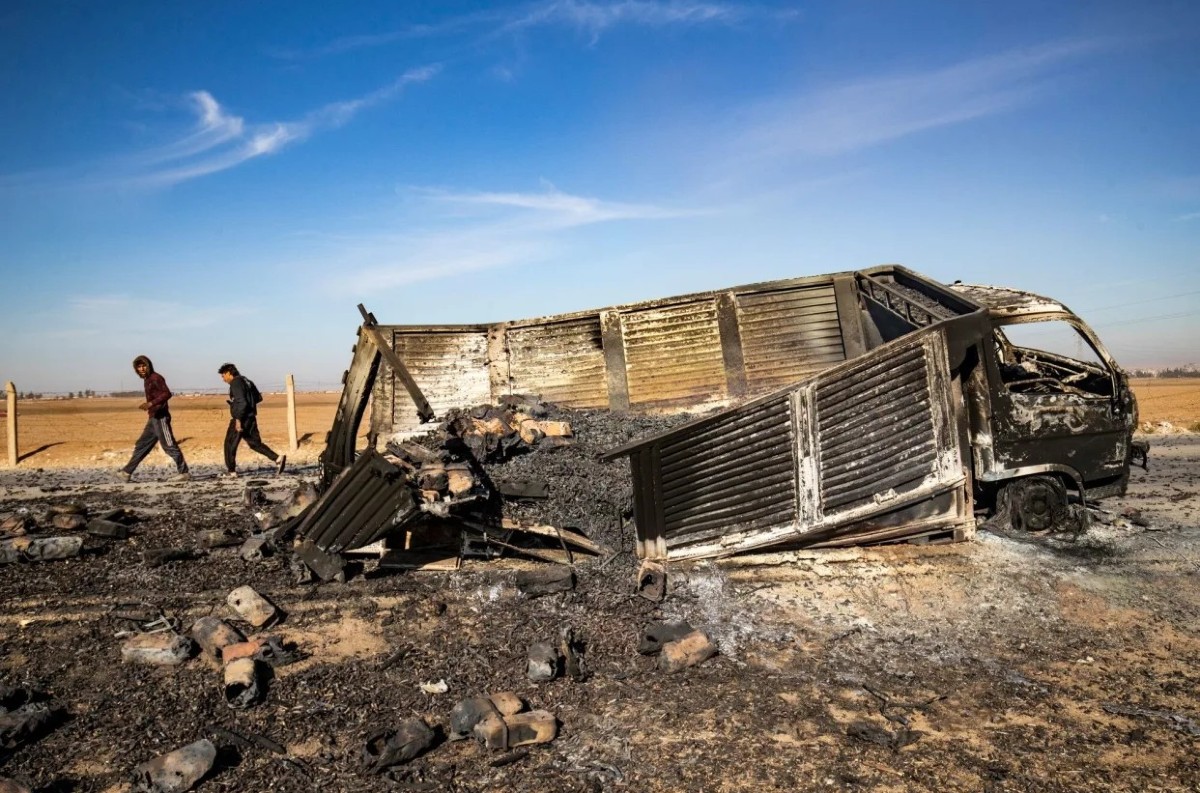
(1175,721)
(253,607)
(218,538)
(690,650)
(41,549)
(243,683)
(157,649)
(387,748)
(657,634)
(214,635)
(439,687)
(25,715)
(544,662)
(535,583)
(177,771)
(652,581)
(156,557)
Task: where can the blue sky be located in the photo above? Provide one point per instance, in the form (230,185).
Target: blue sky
(220,181)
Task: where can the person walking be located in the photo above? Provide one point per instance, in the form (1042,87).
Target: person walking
(243,423)
(158,424)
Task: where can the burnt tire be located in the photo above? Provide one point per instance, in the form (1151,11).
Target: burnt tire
(1034,504)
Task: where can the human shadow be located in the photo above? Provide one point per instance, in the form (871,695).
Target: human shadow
(39,450)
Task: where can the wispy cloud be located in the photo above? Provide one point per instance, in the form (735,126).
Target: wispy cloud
(485,231)
(217,141)
(1188,217)
(868,112)
(122,316)
(589,18)
(556,209)
(222,141)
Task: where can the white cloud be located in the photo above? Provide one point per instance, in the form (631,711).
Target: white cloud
(217,141)
(590,18)
(868,112)
(1188,217)
(560,209)
(514,229)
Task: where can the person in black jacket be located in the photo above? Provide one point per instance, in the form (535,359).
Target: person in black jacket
(243,423)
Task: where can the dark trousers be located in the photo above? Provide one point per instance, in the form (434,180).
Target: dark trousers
(156,431)
(250,435)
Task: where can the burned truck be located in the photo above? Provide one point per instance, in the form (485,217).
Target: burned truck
(858,407)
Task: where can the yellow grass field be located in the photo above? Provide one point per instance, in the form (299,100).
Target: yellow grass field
(100,432)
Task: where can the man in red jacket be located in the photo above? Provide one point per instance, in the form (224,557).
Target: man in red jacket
(158,425)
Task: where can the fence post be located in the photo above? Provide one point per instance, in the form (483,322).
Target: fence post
(293,444)
(11,392)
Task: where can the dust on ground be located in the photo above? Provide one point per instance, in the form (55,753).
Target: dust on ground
(988,665)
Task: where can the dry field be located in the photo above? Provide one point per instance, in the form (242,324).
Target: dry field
(100,432)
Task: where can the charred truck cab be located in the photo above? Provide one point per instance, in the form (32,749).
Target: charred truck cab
(1051,412)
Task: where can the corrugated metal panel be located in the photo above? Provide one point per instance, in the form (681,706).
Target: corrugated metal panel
(876,430)
(673,354)
(737,473)
(451,368)
(360,506)
(868,449)
(788,335)
(561,362)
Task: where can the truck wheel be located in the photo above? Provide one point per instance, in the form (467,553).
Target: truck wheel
(1035,503)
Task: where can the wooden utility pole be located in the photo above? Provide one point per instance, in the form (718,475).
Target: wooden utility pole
(12,423)
(293,443)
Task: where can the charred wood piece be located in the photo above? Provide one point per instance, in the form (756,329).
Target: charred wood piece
(535,583)
(157,557)
(327,566)
(652,581)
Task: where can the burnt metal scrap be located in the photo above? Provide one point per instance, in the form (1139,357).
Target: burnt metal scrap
(423,505)
(857,407)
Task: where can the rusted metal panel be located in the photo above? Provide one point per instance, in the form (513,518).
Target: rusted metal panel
(739,468)
(357,382)
(559,362)
(673,354)
(669,354)
(885,428)
(451,366)
(869,448)
(788,334)
(362,505)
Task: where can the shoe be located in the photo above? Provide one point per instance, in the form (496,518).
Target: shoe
(229,475)
(182,476)
(280,465)
(124,476)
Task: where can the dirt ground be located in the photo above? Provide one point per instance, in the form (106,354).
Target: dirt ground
(992,664)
